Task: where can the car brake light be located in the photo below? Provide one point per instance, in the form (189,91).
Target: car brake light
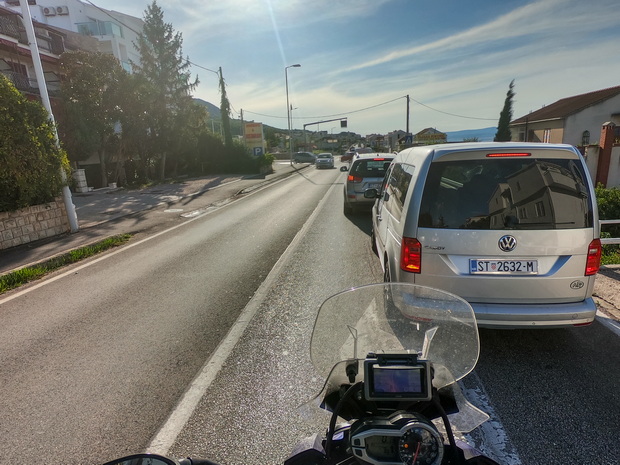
(378,159)
(410,255)
(352,178)
(594,257)
(492,155)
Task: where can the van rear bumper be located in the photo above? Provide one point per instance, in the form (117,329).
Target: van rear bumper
(524,316)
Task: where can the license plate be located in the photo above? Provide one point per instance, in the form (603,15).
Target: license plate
(374,185)
(507,267)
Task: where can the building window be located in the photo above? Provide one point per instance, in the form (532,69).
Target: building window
(547,136)
(585,138)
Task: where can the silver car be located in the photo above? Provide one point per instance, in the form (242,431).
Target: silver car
(366,171)
(324,160)
(510,227)
(304,157)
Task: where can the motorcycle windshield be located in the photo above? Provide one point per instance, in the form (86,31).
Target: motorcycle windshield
(395,318)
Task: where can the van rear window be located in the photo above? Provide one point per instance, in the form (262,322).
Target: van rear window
(371,167)
(506,193)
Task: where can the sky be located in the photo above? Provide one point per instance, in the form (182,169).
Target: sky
(360,58)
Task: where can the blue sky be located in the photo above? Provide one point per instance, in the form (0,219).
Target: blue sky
(454,58)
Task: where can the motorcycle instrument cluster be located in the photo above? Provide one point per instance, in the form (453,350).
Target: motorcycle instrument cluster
(403,438)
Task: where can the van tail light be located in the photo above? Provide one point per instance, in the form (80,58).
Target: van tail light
(594,257)
(411,255)
(352,178)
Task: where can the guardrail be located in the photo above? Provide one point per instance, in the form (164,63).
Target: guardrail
(609,240)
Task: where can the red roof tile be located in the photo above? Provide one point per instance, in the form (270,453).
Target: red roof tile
(568,106)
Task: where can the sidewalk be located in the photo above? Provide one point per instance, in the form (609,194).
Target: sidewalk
(607,293)
(106,212)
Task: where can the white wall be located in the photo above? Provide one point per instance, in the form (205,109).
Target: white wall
(592,157)
(590,119)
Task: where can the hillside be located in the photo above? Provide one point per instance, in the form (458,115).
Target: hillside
(483,135)
(214,111)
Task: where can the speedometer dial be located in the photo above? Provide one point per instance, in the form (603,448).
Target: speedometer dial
(420,445)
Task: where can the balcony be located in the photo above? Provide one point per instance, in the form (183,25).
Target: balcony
(100,28)
(29,86)
(22,82)
(11,26)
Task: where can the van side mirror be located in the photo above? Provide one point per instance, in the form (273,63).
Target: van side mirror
(371,193)
(344,168)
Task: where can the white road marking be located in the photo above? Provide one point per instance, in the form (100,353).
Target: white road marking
(168,433)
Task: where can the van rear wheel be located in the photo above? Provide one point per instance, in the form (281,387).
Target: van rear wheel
(373,243)
(386,273)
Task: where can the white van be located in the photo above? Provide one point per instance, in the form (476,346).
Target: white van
(510,227)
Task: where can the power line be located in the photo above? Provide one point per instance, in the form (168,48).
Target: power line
(452,114)
(330,116)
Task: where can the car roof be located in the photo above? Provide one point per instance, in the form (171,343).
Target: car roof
(365,156)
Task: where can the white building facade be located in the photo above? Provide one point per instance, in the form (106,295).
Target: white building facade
(116,32)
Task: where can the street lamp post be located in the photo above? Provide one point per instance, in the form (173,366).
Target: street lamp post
(288,110)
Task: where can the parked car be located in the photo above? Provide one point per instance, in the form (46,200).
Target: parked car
(324,160)
(366,171)
(304,157)
(510,227)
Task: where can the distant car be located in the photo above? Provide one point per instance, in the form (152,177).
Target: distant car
(324,160)
(304,157)
(347,157)
(365,172)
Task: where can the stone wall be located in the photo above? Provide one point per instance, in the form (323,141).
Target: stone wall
(33,223)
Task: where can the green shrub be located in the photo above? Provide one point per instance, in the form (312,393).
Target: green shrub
(30,161)
(609,209)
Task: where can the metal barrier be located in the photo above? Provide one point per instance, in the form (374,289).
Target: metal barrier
(609,240)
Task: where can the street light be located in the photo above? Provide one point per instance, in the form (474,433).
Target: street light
(288,110)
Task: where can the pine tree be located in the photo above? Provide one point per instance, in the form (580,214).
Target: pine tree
(503,126)
(169,80)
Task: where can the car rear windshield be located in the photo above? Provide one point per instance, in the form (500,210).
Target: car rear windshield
(503,193)
(371,168)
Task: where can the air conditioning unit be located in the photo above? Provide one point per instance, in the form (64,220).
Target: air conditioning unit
(62,10)
(49,10)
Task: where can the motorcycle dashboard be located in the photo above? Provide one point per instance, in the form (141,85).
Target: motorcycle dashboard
(403,438)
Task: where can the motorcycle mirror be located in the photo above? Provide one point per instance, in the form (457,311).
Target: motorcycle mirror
(143,459)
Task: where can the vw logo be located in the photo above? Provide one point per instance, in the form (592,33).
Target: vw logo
(507,243)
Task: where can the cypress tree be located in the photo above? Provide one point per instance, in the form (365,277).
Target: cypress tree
(503,126)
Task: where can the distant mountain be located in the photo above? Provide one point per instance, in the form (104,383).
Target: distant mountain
(214,111)
(483,135)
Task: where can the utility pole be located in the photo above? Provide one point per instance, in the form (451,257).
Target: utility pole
(407,114)
(224,112)
(38,69)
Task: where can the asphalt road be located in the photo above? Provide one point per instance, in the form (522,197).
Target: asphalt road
(96,356)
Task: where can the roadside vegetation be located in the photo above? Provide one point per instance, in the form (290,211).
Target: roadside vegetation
(609,209)
(27,274)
